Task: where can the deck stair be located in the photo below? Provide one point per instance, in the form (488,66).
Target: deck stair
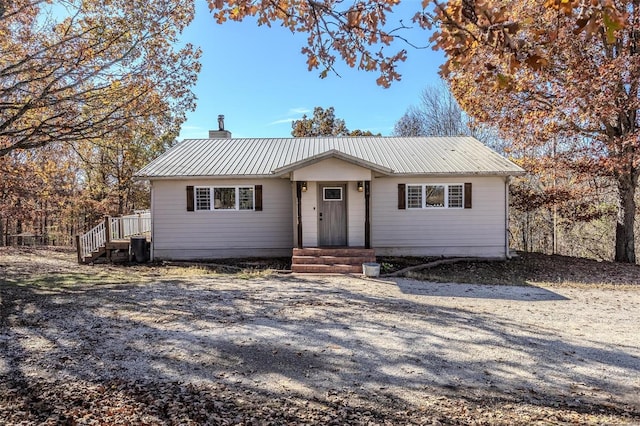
(331,260)
(110,239)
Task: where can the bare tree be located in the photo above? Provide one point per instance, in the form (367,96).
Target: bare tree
(439,114)
(412,123)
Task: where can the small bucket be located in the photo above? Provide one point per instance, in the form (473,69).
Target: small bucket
(371,269)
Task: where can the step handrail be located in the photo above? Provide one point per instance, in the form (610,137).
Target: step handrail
(112,228)
(92,240)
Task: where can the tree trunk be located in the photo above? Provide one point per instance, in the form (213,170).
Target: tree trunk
(19,240)
(625,236)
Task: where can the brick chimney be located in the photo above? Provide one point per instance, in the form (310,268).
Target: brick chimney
(221,133)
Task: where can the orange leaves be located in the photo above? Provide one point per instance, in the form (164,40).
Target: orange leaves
(354,16)
(87,75)
(423,19)
(323,123)
(561,98)
(388,71)
(565,6)
(593,15)
(466,25)
(312,59)
(355,34)
(536,61)
(562,73)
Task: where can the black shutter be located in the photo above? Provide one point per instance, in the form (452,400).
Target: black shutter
(189,198)
(467,195)
(402,204)
(258,195)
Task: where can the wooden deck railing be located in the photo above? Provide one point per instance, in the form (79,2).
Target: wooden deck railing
(91,241)
(124,227)
(110,229)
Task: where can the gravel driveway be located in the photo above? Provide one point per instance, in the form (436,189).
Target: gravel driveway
(370,340)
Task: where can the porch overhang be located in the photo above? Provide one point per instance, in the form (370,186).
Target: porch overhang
(377,168)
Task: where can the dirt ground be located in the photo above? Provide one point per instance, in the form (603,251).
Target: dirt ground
(168,345)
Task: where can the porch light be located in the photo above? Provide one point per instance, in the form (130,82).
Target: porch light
(304,186)
(360,186)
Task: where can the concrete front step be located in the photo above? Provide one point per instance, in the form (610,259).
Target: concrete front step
(326,269)
(331,260)
(312,251)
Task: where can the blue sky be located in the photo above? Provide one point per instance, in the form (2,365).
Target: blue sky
(257,77)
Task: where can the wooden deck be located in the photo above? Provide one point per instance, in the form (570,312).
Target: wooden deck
(110,240)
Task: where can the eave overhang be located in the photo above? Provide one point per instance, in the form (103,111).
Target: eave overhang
(280,171)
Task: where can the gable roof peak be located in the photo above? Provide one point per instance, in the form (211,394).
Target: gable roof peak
(275,156)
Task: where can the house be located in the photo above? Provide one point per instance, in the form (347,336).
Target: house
(416,196)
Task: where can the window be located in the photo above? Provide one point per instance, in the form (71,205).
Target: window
(435,196)
(203,198)
(414,196)
(225,198)
(332,194)
(245,198)
(455,196)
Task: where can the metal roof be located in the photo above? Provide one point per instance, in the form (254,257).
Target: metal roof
(249,157)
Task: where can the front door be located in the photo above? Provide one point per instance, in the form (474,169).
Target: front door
(332,215)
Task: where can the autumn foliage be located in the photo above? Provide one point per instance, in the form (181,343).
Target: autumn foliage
(97,86)
(554,74)
(324,123)
(356,34)
(561,72)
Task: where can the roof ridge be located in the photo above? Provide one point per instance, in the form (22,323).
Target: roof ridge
(396,155)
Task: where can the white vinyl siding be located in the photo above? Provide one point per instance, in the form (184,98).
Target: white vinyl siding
(310,215)
(355,215)
(478,231)
(331,170)
(180,234)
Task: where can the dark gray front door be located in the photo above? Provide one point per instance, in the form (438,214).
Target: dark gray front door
(332,215)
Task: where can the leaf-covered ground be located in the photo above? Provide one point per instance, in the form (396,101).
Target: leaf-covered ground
(168,345)
(524,269)
(151,403)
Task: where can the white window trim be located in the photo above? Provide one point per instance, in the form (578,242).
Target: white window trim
(195,198)
(424,196)
(212,200)
(332,199)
